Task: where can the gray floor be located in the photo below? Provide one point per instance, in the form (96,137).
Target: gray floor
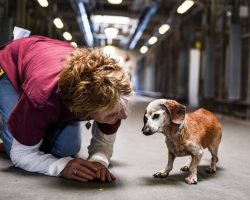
(136,158)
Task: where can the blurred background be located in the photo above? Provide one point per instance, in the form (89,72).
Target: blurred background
(196,52)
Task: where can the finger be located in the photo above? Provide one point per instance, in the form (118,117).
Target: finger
(87,171)
(75,177)
(88,164)
(108,176)
(83,175)
(103,174)
(98,174)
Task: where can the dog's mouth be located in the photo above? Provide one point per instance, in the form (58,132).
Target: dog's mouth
(147,130)
(147,133)
(151,132)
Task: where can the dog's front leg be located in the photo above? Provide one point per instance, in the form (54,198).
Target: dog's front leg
(185,167)
(192,178)
(164,172)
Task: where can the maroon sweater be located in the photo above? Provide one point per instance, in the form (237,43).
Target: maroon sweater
(33,65)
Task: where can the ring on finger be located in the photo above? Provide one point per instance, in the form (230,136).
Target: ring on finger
(75,172)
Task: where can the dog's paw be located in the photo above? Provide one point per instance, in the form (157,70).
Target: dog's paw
(191,180)
(185,168)
(210,170)
(160,175)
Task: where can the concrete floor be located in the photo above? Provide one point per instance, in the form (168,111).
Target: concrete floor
(136,157)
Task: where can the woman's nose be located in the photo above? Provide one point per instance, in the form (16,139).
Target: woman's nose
(123,114)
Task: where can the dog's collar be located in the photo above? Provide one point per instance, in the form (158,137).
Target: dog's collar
(180,128)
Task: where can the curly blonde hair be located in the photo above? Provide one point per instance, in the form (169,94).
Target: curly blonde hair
(92,82)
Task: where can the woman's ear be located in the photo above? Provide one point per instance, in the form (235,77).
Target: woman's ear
(176,110)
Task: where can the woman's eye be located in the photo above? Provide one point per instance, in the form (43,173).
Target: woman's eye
(156,116)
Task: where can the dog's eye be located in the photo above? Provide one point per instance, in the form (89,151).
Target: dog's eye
(156,116)
(145,119)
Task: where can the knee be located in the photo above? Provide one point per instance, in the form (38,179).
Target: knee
(66,150)
(71,150)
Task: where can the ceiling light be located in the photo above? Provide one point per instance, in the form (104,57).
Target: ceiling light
(111,32)
(229,13)
(110,19)
(74,44)
(67,36)
(115,1)
(43,3)
(152,40)
(185,6)
(164,28)
(144,49)
(58,23)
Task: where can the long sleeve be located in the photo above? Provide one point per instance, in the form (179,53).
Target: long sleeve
(101,146)
(31,159)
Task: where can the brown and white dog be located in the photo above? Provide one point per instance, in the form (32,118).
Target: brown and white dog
(186,135)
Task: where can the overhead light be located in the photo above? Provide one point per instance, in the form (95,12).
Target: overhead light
(67,36)
(111,32)
(229,13)
(74,44)
(110,19)
(85,24)
(152,40)
(43,3)
(144,49)
(185,6)
(164,28)
(58,23)
(115,1)
(126,24)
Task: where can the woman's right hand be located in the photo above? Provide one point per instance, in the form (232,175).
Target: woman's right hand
(79,169)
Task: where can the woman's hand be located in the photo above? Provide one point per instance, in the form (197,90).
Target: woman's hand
(80,169)
(103,173)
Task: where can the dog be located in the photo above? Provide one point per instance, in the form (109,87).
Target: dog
(187,134)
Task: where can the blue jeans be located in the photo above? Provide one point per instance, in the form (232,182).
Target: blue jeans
(64,142)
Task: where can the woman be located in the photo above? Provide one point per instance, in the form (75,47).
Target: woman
(48,87)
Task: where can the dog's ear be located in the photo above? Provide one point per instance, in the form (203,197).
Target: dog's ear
(176,110)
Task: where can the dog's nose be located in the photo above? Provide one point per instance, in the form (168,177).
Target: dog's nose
(147,133)
(146,130)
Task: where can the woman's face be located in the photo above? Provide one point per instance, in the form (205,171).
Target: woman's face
(111,116)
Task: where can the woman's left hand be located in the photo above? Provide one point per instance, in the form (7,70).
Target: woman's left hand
(103,173)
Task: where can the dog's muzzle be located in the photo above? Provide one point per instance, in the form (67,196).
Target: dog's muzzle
(147,130)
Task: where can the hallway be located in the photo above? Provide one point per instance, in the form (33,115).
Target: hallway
(136,157)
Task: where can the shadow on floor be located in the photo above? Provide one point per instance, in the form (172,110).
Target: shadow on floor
(59,182)
(178,178)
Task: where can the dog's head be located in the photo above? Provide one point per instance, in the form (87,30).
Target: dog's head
(162,113)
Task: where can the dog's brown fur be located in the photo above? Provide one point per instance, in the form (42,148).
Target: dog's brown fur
(201,130)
